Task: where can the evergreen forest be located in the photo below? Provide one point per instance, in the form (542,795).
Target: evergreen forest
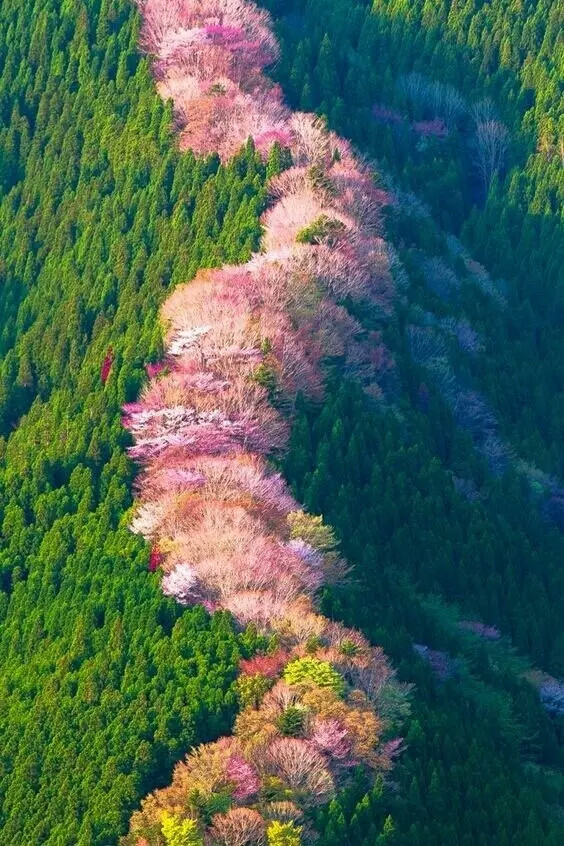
(423,422)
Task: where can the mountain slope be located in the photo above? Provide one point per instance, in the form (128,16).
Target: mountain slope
(104,682)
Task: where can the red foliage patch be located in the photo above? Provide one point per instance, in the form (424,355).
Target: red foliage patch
(265,665)
(153,369)
(156,558)
(107,365)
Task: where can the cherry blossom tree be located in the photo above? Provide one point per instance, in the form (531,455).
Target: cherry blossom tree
(150,515)
(311,142)
(441,99)
(552,695)
(159,18)
(227,478)
(208,58)
(442,664)
(204,768)
(383,114)
(436,128)
(182,584)
(468,339)
(244,777)
(440,279)
(263,608)
(480,629)
(291,214)
(425,344)
(300,623)
(491,143)
(331,738)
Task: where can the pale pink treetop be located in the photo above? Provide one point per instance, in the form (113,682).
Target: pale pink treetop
(331,738)
(244,776)
(301,766)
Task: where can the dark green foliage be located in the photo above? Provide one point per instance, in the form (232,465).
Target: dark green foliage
(104,682)
(483,761)
(324,230)
(496,557)
(343,58)
(291,721)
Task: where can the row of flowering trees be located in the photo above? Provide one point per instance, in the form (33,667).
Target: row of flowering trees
(309,719)
(209,58)
(241,344)
(312,714)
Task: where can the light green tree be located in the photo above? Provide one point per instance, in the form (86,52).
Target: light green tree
(284,834)
(179,832)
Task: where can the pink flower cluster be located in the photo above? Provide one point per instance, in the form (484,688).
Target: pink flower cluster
(441,663)
(551,690)
(209,58)
(241,343)
(436,127)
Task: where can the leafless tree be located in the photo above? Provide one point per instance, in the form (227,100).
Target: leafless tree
(491,142)
(484,111)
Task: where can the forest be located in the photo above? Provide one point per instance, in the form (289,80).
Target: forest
(366,333)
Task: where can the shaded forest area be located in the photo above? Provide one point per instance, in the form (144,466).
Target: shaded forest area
(411,83)
(360,67)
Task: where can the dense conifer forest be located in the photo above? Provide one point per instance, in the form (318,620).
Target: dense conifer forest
(105,683)
(434,449)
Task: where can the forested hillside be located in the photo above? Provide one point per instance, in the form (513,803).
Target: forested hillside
(484,355)
(413,496)
(482,761)
(105,683)
(319,705)
(434,450)
(463,105)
